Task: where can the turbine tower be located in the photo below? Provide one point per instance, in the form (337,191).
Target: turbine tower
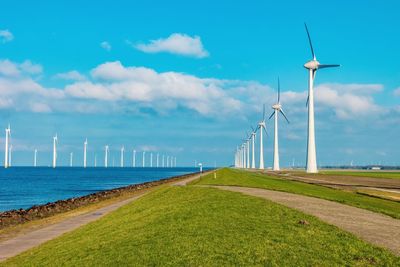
(253,137)
(134,159)
(261,127)
(151,160)
(143,157)
(312,66)
(277,109)
(106,156)
(35,158)
(71,155)
(122,156)
(84,153)
(6,150)
(10,157)
(55,141)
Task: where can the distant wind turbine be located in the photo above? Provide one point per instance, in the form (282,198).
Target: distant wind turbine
(95,160)
(84,152)
(151,160)
(312,66)
(122,156)
(55,141)
(35,158)
(106,156)
(143,158)
(262,127)
(71,155)
(253,137)
(134,159)
(277,109)
(6,149)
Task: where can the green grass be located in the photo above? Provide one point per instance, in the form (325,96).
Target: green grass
(194,226)
(382,174)
(249,179)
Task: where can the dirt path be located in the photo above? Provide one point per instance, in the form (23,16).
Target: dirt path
(375,228)
(25,241)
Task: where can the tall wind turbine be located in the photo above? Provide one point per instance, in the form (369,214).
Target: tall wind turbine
(71,155)
(95,160)
(143,157)
(35,158)
(55,141)
(262,127)
(106,156)
(312,66)
(151,160)
(277,109)
(122,156)
(84,153)
(10,157)
(6,151)
(253,137)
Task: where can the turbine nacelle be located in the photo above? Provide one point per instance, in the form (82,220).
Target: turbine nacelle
(277,106)
(312,65)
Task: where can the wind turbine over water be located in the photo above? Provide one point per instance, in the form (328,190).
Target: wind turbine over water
(84,152)
(55,142)
(312,66)
(277,109)
(6,149)
(106,148)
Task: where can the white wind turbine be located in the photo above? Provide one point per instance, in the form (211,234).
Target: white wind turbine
(35,158)
(107,148)
(151,160)
(163,163)
(6,149)
(10,157)
(277,107)
(84,152)
(253,137)
(71,155)
(247,144)
(122,156)
(143,157)
(312,66)
(55,142)
(261,127)
(134,159)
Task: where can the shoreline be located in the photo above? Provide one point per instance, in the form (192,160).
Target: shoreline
(36,212)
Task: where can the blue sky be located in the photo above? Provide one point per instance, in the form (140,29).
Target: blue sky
(188,79)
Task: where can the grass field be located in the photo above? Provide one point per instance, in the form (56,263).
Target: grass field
(371,174)
(249,179)
(194,226)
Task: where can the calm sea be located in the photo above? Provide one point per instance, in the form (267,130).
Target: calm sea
(23,187)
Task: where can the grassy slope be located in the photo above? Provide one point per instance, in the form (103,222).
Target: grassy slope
(248,179)
(191,226)
(390,175)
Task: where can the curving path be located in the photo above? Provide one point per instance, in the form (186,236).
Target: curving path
(373,227)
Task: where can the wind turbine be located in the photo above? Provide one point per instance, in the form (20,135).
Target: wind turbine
(8,135)
(163,165)
(143,157)
(71,155)
(35,158)
(10,157)
(106,156)
(253,137)
(122,156)
(312,66)
(84,153)
(247,144)
(55,142)
(134,159)
(261,126)
(151,160)
(95,160)
(277,107)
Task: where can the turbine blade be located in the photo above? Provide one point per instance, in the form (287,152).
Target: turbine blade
(252,129)
(279,90)
(309,40)
(324,66)
(263,112)
(281,111)
(272,114)
(308,98)
(265,130)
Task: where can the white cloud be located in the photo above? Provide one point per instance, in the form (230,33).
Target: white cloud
(6,36)
(28,67)
(396,91)
(106,45)
(9,68)
(70,75)
(176,43)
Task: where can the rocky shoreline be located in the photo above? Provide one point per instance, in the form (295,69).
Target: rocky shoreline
(14,217)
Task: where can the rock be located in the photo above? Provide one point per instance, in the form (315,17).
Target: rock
(303,222)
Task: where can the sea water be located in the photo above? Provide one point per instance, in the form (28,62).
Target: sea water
(23,187)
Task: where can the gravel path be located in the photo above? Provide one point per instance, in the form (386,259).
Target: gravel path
(372,227)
